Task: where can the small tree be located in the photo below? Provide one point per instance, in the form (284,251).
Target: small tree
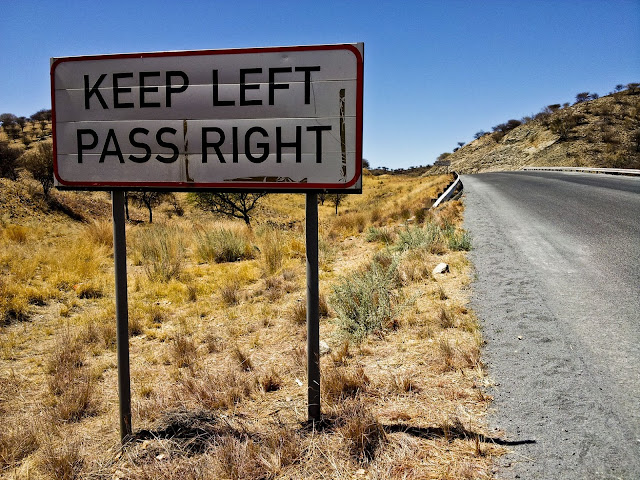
(8,120)
(337,199)
(322,196)
(582,97)
(478,134)
(148,200)
(460,144)
(619,88)
(9,160)
(633,88)
(39,162)
(234,205)
(366,164)
(21,121)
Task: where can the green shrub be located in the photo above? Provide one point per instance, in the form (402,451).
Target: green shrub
(430,236)
(383,235)
(457,240)
(222,245)
(365,301)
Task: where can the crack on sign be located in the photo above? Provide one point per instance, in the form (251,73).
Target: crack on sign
(343,135)
(186,150)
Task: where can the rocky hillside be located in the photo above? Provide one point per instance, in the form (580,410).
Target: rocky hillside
(603,132)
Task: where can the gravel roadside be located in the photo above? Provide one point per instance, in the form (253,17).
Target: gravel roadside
(566,390)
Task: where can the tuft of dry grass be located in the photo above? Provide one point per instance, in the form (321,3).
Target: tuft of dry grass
(161,251)
(184,351)
(362,432)
(18,440)
(339,383)
(62,461)
(100,232)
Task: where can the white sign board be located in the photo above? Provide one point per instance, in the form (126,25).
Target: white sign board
(282,118)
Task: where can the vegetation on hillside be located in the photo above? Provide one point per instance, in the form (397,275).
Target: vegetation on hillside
(595,131)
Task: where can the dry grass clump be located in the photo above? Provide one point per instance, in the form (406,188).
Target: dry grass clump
(224,388)
(160,250)
(70,382)
(339,383)
(18,440)
(230,293)
(223,245)
(298,312)
(16,233)
(381,235)
(184,351)
(351,223)
(272,248)
(62,460)
(362,433)
(100,232)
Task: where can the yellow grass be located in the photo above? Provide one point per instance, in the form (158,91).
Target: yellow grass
(218,350)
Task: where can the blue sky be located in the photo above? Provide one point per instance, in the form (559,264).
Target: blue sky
(436,72)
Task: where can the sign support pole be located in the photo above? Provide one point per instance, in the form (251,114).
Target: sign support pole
(313,316)
(122,314)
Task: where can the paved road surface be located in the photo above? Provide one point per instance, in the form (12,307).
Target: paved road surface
(557,287)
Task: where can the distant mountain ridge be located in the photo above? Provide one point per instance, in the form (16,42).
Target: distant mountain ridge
(602,132)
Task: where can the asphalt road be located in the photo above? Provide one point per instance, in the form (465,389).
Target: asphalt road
(557,287)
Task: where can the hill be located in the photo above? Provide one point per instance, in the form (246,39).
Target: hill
(603,132)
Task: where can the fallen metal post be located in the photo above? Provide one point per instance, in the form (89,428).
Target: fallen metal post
(313,316)
(122,314)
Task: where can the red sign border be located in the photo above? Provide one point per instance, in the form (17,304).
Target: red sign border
(195,186)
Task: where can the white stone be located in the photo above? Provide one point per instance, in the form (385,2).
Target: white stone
(324,347)
(441,268)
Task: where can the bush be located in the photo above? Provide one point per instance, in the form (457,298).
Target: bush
(430,237)
(365,302)
(223,245)
(9,160)
(383,235)
(162,252)
(39,163)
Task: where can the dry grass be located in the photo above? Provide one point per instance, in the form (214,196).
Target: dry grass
(218,349)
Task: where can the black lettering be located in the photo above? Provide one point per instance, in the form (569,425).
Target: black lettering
(81,145)
(297,144)
(234,135)
(276,86)
(170,89)
(251,86)
(93,91)
(146,89)
(117,90)
(319,129)
(216,101)
(216,146)
(171,146)
(263,145)
(111,136)
(135,143)
(307,81)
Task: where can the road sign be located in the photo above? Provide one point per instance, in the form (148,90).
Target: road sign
(264,119)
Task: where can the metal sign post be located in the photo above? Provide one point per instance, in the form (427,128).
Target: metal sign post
(274,119)
(313,314)
(122,314)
